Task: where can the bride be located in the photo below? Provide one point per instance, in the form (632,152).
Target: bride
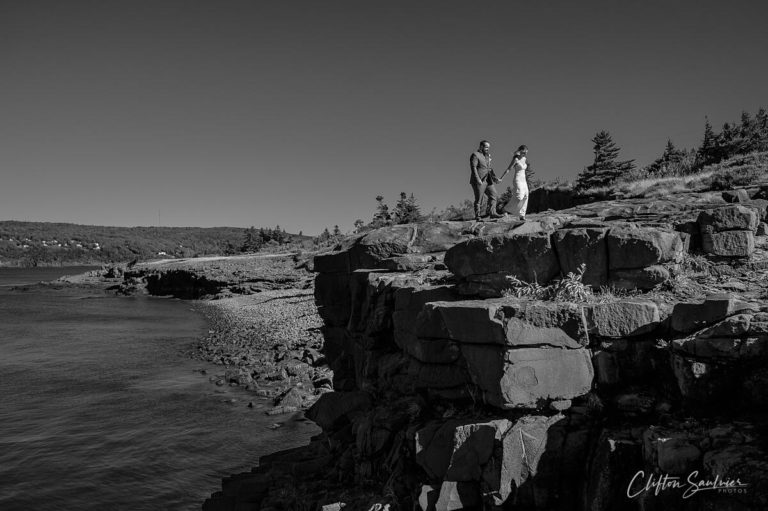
(519,202)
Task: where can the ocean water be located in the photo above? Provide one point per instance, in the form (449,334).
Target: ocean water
(101,408)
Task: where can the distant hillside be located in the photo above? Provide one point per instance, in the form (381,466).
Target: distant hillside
(46,243)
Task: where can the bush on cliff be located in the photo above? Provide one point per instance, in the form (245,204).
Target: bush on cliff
(568,289)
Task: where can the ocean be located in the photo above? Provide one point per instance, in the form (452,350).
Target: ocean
(102,408)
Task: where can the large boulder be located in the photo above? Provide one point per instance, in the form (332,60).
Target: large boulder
(737,337)
(640,248)
(587,246)
(523,448)
(408,303)
(498,455)
(434,446)
(332,262)
(385,247)
(729,231)
(689,317)
(730,218)
(437,237)
(528,377)
(724,348)
(473,446)
(381,244)
(622,319)
(639,278)
(332,296)
(509,322)
(728,243)
(529,257)
(370,295)
(458,495)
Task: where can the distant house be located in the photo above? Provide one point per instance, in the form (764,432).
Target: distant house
(162,253)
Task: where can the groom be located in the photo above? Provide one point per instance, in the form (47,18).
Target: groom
(481,179)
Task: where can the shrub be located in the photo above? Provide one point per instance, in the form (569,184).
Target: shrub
(568,289)
(737,172)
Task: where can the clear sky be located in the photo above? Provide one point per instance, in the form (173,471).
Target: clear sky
(239,113)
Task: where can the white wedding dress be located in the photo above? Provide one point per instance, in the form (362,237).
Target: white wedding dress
(519,202)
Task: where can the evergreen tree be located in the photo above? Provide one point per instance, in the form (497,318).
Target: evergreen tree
(407,210)
(761,130)
(726,142)
(359,224)
(229,248)
(382,216)
(336,231)
(669,159)
(251,241)
(605,169)
(707,152)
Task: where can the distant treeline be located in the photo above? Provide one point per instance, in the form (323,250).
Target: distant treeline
(747,136)
(45,243)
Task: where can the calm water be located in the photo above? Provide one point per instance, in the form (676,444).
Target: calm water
(101,409)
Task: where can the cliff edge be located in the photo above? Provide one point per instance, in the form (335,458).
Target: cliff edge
(608,356)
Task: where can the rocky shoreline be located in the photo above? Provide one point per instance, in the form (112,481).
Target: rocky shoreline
(637,385)
(463,365)
(268,343)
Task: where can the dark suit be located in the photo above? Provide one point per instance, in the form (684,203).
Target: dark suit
(480,163)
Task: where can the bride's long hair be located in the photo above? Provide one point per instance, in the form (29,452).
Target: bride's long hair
(519,153)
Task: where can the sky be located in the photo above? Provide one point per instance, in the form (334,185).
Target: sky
(299,113)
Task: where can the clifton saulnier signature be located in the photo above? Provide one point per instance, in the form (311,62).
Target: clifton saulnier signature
(691,485)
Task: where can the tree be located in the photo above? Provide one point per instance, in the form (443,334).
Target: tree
(761,130)
(336,231)
(707,152)
(605,169)
(359,224)
(407,210)
(669,159)
(252,240)
(323,237)
(726,142)
(382,216)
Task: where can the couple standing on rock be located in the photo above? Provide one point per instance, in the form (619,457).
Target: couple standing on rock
(483,181)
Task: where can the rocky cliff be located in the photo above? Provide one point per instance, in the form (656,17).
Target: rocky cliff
(454,391)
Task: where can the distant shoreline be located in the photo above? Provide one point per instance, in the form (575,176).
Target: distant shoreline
(18,264)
